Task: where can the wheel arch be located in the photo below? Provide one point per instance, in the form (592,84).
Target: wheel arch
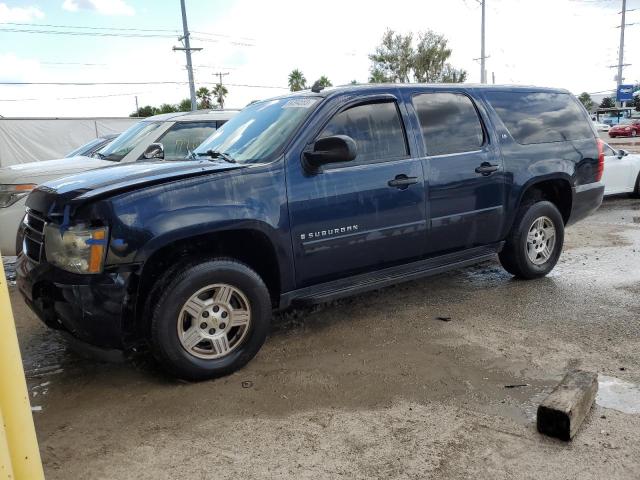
(554,188)
(250,245)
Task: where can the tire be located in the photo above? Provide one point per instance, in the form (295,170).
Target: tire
(515,258)
(636,191)
(612,136)
(176,323)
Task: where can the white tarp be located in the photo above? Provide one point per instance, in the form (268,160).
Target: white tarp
(24,140)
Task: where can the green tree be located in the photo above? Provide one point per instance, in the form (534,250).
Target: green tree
(450,74)
(203,94)
(393,58)
(607,102)
(378,76)
(430,56)
(184,105)
(167,108)
(297,81)
(397,60)
(220,91)
(353,82)
(324,81)
(144,112)
(586,100)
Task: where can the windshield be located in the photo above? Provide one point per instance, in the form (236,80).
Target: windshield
(127,141)
(87,147)
(259,131)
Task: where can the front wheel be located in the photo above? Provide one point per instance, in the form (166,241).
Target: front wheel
(212,318)
(535,242)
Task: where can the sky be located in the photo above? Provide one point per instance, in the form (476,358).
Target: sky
(556,43)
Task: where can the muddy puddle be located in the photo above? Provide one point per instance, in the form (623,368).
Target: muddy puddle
(619,395)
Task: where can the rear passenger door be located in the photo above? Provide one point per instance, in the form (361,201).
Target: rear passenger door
(361,215)
(463,171)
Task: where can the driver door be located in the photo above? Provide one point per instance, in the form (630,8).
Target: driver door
(354,217)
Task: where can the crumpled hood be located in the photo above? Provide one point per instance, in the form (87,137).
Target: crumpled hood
(86,186)
(40,172)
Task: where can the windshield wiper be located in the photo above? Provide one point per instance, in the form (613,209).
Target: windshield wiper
(215,154)
(99,155)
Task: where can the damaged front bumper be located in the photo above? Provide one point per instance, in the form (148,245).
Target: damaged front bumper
(97,309)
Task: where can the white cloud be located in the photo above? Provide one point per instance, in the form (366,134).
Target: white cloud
(19,14)
(104,7)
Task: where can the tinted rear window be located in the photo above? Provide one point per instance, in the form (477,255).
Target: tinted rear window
(540,117)
(449,122)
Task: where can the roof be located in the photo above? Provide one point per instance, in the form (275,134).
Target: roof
(359,88)
(225,114)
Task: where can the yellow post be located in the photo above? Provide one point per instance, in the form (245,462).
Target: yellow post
(15,409)
(6,472)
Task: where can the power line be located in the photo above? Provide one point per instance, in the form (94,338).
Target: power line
(118,35)
(175,31)
(68,98)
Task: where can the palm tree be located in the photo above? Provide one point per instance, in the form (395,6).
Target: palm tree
(324,82)
(204,95)
(220,91)
(297,81)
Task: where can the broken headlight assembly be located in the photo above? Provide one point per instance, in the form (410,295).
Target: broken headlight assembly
(76,249)
(10,194)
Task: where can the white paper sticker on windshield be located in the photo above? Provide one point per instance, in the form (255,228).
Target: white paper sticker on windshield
(300,103)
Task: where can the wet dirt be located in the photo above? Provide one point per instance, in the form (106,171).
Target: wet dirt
(374,386)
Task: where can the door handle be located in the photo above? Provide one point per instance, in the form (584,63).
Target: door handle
(486,168)
(402,181)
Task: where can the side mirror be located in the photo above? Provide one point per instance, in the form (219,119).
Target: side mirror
(155,150)
(334,149)
(622,153)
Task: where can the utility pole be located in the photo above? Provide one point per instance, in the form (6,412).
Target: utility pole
(220,75)
(187,49)
(483,72)
(621,48)
(137,104)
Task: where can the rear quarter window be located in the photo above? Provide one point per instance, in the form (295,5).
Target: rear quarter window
(540,117)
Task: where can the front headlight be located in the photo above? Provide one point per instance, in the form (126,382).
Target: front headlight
(77,249)
(10,194)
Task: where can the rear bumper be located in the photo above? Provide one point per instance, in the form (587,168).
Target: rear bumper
(586,200)
(96,309)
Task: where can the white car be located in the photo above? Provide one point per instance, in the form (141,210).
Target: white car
(621,172)
(601,127)
(169,136)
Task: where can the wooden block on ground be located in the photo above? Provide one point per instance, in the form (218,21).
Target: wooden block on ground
(562,412)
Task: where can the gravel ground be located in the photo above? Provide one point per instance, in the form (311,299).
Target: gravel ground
(376,386)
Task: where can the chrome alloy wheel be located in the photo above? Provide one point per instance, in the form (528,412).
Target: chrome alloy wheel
(214,321)
(541,240)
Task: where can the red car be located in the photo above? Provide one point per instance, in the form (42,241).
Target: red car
(626,130)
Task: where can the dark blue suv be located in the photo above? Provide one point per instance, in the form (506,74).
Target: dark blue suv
(301,199)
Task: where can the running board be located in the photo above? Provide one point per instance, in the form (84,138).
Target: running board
(344,287)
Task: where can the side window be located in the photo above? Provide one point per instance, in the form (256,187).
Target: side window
(375,127)
(449,123)
(540,117)
(184,137)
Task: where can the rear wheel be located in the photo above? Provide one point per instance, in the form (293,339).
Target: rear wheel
(534,245)
(636,191)
(212,320)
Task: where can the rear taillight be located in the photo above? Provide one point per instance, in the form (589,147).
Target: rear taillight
(600,168)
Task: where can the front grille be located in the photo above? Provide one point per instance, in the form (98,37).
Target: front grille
(33,234)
